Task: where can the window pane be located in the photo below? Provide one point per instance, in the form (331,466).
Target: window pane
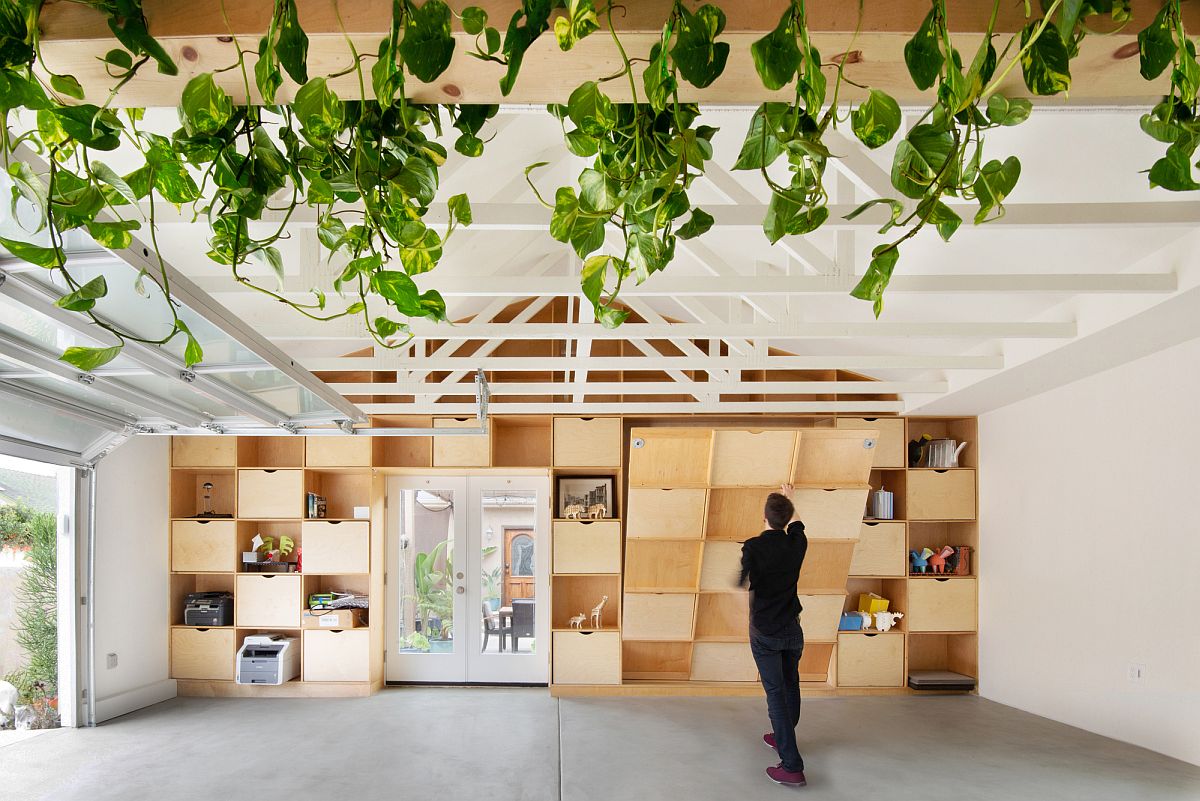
(426,619)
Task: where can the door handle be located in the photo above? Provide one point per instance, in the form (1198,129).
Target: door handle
(460,590)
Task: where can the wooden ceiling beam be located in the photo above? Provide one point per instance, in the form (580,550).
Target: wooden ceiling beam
(198,37)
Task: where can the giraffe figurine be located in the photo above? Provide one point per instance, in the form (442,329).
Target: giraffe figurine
(598,612)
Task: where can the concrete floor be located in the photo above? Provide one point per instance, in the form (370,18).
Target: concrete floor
(508,745)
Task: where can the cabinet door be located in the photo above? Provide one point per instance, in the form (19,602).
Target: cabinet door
(666,513)
(752,458)
(880,550)
(203,546)
(941,604)
(461,451)
(831,514)
(587,442)
(870,659)
(669,457)
(891,448)
(941,494)
(203,451)
(267,601)
(270,494)
(821,616)
(336,547)
(659,616)
(588,546)
(202,654)
(335,655)
(338,451)
(723,661)
(828,457)
(587,657)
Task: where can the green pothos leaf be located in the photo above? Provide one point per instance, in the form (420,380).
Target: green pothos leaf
(84,298)
(428,45)
(697,54)
(34,254)
(777,56)
(579,21)
(876,120)
(1046,64)
(1156,45)
(88,359)
(875,280)
(922,54)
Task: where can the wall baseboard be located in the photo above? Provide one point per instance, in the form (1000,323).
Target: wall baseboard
(133,700)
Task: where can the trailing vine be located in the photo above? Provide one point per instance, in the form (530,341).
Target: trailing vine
(367,166)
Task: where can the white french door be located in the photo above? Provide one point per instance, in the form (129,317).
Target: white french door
(468,579)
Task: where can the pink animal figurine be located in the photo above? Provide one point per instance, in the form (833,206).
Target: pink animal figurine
(937,562)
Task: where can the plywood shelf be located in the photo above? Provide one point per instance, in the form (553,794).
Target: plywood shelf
(653,565)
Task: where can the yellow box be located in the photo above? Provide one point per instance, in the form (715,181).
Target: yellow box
(870,602)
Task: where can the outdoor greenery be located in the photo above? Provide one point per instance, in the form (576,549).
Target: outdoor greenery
(368,165)
(37,610)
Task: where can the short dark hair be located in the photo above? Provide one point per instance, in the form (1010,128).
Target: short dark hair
(778,510)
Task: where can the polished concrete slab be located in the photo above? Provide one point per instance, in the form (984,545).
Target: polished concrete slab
(501,744)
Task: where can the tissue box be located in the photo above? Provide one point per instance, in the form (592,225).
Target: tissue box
(362,512)
(870,602)
(851,621)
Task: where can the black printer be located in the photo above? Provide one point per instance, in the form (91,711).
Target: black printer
(208,609)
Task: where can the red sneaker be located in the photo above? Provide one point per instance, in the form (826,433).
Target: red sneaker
(769,739)
(787,778)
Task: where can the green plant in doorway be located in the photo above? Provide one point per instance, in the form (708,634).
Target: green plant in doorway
(37,616)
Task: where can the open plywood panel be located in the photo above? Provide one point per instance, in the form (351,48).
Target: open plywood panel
(721,566)
(661,661)
(815,661)
(669,457)
(723,617)
(723,661)
(659,616)
(831,513)
(826,566)
(736,514)
(752,458)
(665,513)
(826,458)
(956,652)
(820,617)
(662,565)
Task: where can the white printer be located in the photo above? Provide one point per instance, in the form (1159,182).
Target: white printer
(268,659)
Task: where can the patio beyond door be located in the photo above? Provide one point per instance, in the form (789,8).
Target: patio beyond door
(468,579)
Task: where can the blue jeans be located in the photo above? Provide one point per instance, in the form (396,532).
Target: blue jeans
(778,660)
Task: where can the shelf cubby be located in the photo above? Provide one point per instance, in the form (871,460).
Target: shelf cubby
(339,451)
(402,451)
(275,529)
(521,441)
(721,566)
(662,565)
(723,661)
(723,617)
(736,514)
(935,534)
(895,482)
(203,452)
(895,590)
(815,661)
(183,584)
(954,652)
(342,490)
(656,661)
(960,429)
(270,451)
(579,594)
(187,492)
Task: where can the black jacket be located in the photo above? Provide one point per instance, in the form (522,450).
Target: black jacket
(771,562)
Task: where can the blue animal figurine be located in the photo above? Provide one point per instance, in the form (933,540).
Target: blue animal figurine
(919,560)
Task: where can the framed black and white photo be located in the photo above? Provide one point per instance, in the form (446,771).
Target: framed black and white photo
(585,497)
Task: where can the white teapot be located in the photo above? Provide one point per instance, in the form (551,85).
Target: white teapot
(885,620)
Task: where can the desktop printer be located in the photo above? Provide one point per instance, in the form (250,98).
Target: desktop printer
(268,659)
(208,609)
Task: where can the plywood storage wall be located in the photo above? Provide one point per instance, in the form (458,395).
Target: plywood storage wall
(695,494)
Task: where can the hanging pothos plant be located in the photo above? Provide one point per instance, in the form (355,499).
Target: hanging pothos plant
(367,166)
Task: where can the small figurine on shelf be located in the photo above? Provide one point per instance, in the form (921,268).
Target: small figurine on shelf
(937,562)
(919,560)
(574,511)
(885,620)
(206,502)
(916,450)
(578,621)
(597,511)
(598,612)
(959,564)
(866,618)
(274,555)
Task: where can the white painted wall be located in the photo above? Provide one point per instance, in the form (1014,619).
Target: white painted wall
(132,580)
(1090,553)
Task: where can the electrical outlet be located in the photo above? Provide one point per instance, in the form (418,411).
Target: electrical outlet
(1137,672)
(111,661)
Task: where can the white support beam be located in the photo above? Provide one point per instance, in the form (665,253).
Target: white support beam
(535,217)
(783,331)
(580,387)
(885,361)
(674,285)
(789,407)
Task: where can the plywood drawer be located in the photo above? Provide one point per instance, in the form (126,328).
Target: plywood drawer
(203,451)
(752,458)
(336,547)
(458,450)
(723,661)
(265,601)
(879,551)
(338,451)
(826,565)
(721,566)
(941,604)
(666,513)
(204,546)
(891,447)
(830,514)
(826,457)
(587,657)
(592,546)
(941,495)
(659,616)
(820,616)
(334,655)
(270,494)
(587,442)
(203,654)
(669,457)
(662,565)
(870,660)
